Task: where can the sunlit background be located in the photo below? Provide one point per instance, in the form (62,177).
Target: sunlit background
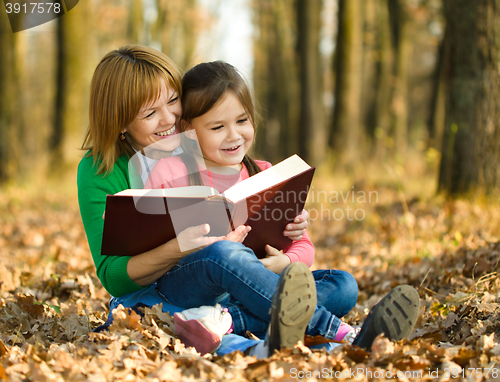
(389,98)
(343,83)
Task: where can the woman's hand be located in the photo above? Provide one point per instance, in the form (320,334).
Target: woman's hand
(296,230)
(275,260)
(239,234)
(150,266)
(194,237)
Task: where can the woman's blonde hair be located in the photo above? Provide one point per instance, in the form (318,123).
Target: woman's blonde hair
(125,80)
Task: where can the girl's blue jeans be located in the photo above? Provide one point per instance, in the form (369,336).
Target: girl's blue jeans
(230,274)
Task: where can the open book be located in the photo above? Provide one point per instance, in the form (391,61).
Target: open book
(139,220)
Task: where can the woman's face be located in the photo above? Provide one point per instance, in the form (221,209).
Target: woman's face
(157,124)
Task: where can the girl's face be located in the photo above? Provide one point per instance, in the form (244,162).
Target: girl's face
(225,133)
(156,124)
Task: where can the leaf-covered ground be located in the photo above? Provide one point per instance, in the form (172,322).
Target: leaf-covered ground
(50,298)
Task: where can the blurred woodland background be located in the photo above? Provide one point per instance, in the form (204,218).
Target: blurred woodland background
(399,98)
(347,83)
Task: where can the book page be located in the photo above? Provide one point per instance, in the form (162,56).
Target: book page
(182,192)
(282,171)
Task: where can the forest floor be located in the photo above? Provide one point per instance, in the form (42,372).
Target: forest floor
(51,299)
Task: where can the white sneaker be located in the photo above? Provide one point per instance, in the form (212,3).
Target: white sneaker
(203,327)
(351,336)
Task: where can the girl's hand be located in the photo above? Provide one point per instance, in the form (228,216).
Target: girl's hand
(275,260)
(194,237)
(296,230)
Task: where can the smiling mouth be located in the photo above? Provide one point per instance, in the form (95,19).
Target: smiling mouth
(166,133)
(232,149)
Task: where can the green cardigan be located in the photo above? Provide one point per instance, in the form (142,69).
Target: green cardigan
(92,191)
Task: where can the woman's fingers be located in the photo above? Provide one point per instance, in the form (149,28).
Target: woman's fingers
(194,237)
(196,232)
(239,234)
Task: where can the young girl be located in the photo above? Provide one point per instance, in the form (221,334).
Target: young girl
(218,108)
(224,129)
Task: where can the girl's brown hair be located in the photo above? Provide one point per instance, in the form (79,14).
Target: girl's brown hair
(125,80)
(204,85)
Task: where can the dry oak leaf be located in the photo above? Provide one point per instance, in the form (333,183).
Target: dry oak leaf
(168,371)
(2,373)
(356,353)
(382,346)
(301,349)
(41,372)
(486,342)
(28,304)
(258,371)
(3,350)
(413,362)
(464,355)
(125,318)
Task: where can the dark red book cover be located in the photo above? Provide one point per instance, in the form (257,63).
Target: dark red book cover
(134,224)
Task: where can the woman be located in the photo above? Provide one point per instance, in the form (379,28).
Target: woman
(134,112)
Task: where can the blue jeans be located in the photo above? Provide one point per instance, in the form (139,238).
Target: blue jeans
(148,296)
(230,274)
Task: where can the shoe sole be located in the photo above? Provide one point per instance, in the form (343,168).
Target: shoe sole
(193,334)
(294,304)
(395,316)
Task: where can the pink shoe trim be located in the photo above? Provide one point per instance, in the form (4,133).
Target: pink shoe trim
(192,333)
(231,329)
(343,330)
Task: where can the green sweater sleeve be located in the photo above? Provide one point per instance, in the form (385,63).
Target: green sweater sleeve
(92,191)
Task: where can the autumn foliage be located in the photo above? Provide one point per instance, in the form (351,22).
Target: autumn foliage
(51,300)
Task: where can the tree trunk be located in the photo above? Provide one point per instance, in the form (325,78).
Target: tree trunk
(11,125)
(384,83)
(403,49)
(73,77)
(267,138)
(135,29)
(346,135)
(178,28)
(471,155)
(287,78)
(275,79)
(438,97)
(371,53)
(311,121)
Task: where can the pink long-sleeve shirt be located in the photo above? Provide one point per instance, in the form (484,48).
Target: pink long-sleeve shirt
(171,173)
